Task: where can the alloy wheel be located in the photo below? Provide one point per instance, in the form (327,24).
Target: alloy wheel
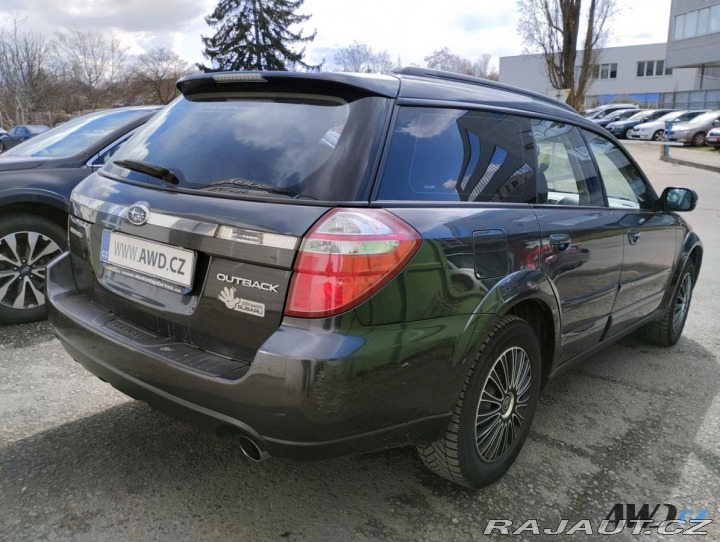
(682,302)
(24,256)
(503,404)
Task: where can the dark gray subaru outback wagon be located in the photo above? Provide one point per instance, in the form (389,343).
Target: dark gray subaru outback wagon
(330,264)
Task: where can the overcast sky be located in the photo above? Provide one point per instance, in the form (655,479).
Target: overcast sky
(408,29)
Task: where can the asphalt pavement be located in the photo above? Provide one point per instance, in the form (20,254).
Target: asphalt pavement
(635,424)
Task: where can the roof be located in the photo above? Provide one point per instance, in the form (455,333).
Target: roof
(413,84)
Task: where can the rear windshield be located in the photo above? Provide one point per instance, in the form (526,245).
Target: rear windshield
(289,145)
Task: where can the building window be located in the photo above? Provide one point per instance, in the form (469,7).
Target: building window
(652,68)
(604,71)
(697,23)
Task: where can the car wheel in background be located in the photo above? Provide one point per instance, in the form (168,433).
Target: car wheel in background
(698,139)
(492,417)
(27,244)
(658,135)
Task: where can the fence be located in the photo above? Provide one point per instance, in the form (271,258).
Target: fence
(691,99)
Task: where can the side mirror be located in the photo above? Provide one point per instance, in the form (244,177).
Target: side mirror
(678,199)
(716,122)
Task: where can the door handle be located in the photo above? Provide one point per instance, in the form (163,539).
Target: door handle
(560,242)
(633,236)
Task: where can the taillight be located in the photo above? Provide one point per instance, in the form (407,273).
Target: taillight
(347,256)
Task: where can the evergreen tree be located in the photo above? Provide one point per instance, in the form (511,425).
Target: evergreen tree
(255,35)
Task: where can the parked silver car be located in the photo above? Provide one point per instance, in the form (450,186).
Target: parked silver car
(713,138)
(655,130)
(695,130)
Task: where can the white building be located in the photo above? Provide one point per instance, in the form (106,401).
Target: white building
(634,73)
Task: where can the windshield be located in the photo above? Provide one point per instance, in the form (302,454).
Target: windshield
(707,117)
(76,135)
(312,146)
(640,116)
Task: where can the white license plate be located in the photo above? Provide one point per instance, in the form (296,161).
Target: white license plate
(713,139)
(176,265)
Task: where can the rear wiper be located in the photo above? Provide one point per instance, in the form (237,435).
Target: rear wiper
(242,185)
(148,168)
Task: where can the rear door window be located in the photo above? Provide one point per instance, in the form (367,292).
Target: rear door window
(566,173)
(458,155)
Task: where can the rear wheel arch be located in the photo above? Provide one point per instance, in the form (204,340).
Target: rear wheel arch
(540,317)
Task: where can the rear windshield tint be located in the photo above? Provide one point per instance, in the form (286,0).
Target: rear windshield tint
(309,146)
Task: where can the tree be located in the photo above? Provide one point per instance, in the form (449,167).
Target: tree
(158,70)
(26,80)
(485,67)
(255,35)
(359,57)
(552,27)
(444,59)
(95,61)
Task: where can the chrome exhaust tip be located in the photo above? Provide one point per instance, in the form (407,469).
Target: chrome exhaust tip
(252,450)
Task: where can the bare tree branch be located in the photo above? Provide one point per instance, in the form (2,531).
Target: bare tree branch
(552,28)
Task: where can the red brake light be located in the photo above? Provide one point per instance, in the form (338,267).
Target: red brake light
(347,256)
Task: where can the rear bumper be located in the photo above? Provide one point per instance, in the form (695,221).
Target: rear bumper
(308,393)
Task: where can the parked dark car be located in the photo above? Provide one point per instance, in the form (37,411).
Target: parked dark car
(18,134)
(603,111)
(713,138)
(620,128)
(36,178)
(277,256)
(695,130)
(616,116)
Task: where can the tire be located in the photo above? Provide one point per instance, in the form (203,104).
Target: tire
(667,330)
(27,244)
(698,139)
(457,456)
(658,135)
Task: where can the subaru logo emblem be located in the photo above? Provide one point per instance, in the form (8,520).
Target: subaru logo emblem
(138,214)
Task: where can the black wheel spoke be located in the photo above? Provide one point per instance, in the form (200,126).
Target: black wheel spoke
(503,403)
(682,302)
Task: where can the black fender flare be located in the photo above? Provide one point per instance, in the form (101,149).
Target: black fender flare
(691,244)
(523,285)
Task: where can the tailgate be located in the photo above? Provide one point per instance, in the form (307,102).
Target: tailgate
(216,281)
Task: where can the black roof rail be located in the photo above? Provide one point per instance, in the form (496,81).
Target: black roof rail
(472,80)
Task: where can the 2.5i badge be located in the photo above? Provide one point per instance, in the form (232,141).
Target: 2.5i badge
(227,296)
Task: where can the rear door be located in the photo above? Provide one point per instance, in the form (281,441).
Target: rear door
(582,242)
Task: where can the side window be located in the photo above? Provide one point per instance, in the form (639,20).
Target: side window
(457,155)
(624,185)
(566,174)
